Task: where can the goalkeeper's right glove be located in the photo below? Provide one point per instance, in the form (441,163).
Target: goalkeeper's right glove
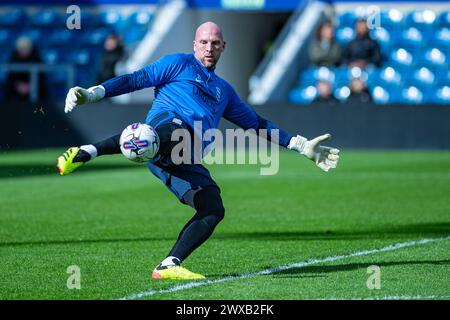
(78,96)
(325,158)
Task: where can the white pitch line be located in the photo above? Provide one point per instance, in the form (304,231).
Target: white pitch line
(301,264)
(434,296)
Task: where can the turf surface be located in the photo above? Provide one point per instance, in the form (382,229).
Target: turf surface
(115,221)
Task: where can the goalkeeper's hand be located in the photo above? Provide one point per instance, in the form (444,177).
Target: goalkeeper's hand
(325,158)
(78,96)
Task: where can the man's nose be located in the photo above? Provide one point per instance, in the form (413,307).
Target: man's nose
(209,46)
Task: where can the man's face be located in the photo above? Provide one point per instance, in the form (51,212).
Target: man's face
(208,45)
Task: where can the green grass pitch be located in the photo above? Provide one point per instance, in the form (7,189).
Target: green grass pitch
(115,221)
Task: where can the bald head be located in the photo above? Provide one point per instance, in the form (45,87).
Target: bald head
(208,44)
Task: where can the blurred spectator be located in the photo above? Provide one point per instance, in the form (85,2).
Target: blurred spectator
(362,50)
(114,52)
(324,50)
(19,83)
(325,91)
(359,91)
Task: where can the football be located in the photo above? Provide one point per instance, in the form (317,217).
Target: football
(139,142)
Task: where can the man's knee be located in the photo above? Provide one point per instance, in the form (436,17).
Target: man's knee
(208,202)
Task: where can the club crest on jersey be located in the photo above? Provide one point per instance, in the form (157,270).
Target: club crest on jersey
(198,78)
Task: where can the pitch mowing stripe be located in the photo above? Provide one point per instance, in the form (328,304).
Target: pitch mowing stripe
(434,296)
(301,264)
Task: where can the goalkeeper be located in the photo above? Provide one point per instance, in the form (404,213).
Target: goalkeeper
(187,90)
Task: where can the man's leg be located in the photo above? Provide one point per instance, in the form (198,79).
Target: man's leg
(209,212)
(75,157)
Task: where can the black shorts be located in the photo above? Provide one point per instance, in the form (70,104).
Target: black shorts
(179,178)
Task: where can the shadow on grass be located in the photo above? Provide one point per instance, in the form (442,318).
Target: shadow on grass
(310,271)
(382,232)
(26,170)
(416,231)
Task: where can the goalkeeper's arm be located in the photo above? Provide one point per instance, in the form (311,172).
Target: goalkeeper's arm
(114,87)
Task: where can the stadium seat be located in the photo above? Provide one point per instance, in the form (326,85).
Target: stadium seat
(387,77)
(61,38)
(7,38)
(391,19)
(111,19)
(420,78)
(14,17)
(342,93)
(401,58)
(443,77)
(424,20)
(380,95)
(444,19)
(410,38)
(411,95)
(441,38)
(347,19)
(345,35)
(384,39)
(94,38)
(442,95)
(47,18)
(432,58)
(314,74)
(137,25)
(303,95)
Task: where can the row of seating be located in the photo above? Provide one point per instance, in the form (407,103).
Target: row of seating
(395,19)
(54,17)
(386,84)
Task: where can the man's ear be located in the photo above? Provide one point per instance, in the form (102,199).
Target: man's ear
(224,43)
(193,44)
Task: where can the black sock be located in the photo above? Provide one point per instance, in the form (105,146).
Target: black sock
(108,146)
(209,213)
(82,156)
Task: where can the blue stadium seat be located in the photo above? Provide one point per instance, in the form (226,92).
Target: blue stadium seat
(401,59)
(384,39)
(314,74)
(444,19)
(47,18)
(111,19)
(345,35)
(7,38)
(433,58)
(94,38)
(342,93)
(54,56)
(380,95)
(347,19)
(391,19)
(441,38)
(410,38)
(420,78)
(61,38)
(443,77)
(411,95)
(387,77)
(442,95)
(424,20)
(303,95)
(13,18)
(137,25)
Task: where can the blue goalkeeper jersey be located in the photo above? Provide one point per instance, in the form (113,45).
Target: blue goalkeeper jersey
(193,92)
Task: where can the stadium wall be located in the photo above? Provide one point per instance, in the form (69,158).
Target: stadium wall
(352,125)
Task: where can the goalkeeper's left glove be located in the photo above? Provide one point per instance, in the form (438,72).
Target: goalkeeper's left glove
(78,96)
(325,158)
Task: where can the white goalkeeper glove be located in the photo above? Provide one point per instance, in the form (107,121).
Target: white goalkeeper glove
(78,96)
(325,158)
